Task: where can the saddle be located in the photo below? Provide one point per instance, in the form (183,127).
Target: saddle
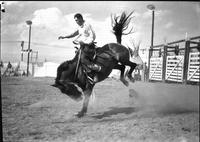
(93,55)
(90,51)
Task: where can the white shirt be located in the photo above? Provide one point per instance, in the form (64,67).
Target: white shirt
(86,33)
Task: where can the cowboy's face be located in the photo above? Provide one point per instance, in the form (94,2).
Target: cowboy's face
(79,21)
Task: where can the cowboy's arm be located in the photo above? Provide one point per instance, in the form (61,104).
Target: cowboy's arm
(70,35)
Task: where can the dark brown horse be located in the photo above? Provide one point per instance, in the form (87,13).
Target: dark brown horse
(78,85)
(75,80)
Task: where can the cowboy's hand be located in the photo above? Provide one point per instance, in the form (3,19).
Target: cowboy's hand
(60,37)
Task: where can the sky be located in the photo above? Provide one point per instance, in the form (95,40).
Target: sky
(51,19)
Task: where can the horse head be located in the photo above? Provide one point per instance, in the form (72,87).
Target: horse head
(70,83)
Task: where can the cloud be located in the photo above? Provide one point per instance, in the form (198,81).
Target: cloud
(136,14)
(159,14)
(147,15)
(47,25)
(103,31)
(121,6)
(162,13)
(168,25)
(50,18)
(197,8)
(50,23)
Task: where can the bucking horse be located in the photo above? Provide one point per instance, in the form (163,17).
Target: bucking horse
(75,80)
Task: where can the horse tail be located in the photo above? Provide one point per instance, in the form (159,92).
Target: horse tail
(120,24)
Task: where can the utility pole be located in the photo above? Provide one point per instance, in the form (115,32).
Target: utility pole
(29,41)
(152,8)
(2,10)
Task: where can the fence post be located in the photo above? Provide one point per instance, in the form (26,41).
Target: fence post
(33,69)
(150,54)
(143,72)
(164,63)
(186,60)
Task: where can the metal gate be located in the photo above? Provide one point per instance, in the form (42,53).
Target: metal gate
(174,68)
(193,67)
(156,65)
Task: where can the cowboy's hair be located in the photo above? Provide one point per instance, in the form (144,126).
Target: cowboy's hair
(78,15)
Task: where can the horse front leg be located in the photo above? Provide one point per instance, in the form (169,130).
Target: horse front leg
(83,111)
(122,69)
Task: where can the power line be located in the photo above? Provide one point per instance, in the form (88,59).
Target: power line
(34,43)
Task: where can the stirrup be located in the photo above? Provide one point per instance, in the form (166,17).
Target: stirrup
(90,80)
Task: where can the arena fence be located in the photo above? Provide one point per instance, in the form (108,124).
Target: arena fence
(178,61)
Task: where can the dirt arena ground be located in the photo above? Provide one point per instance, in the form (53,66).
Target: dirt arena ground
(33,111)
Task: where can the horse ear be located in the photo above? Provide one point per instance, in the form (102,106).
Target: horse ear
(130,50)
(133,43)
(138,46)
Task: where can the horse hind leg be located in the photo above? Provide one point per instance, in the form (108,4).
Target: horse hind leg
(132,67)
(122,69)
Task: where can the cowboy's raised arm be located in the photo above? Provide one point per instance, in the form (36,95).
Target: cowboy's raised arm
(69,36)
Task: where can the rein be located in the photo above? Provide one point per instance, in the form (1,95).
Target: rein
(77,65)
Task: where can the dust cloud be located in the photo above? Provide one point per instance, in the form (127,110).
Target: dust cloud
(165,98)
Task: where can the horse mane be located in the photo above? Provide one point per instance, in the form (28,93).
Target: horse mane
(120,24)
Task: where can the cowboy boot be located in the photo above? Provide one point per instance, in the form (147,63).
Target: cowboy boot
(95,67)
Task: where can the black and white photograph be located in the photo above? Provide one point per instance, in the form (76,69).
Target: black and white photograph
(100,71)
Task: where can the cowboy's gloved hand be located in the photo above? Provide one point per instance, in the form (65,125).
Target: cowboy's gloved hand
(75,42)
(60,37)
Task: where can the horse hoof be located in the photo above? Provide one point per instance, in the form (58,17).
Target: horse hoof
(125,82)
(131,79)
(79,114)
(54,85)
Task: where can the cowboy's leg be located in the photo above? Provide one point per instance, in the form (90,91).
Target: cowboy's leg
(93,65)
(86,58)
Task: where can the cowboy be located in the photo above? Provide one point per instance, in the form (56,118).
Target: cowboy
(85,37)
